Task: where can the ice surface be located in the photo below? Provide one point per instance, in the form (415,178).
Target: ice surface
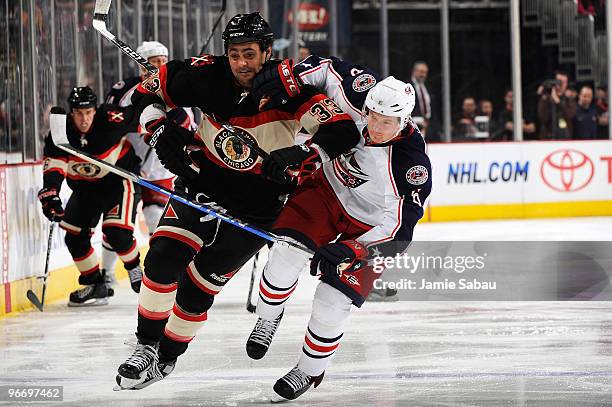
(393,354)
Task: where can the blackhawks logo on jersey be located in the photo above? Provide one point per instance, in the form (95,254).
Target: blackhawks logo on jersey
(86,170)
(234,152)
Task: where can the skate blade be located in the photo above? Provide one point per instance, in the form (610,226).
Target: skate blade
(95,303)
(277,399)
(124,383)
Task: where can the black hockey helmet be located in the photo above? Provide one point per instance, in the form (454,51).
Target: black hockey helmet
(248,28)
(82,97)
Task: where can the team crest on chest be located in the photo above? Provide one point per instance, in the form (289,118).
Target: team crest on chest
(234,152)
(86,170)
(348,171)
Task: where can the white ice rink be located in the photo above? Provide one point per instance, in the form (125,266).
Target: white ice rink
(393,354)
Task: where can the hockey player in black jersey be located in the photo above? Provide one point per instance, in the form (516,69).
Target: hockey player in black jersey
(192,257)
(98,131)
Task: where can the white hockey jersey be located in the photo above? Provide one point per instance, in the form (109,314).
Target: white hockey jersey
(150,167)
(382,185)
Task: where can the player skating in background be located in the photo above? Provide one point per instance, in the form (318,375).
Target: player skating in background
(370,195)
(98,131)
(191,257)
(151,169)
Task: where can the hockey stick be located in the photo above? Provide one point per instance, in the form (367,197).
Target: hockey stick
(212,32)
(99,23)
(60,139)
(250,307)
(40,303)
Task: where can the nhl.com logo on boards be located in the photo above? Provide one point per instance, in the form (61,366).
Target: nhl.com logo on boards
(557,169)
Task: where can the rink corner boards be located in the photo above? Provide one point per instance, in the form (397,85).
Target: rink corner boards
(60,283)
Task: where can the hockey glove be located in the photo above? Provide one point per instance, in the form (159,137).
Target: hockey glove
(169,138)
(51,204)
(300,160)
(276,81)
(336,258)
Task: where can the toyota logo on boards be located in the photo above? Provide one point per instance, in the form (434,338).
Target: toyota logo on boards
(567,170)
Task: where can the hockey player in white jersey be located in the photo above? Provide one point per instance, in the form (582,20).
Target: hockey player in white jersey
(153,202)
(373,194)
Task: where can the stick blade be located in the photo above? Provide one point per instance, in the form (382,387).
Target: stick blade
(102,6)
(34,300)
(57,123)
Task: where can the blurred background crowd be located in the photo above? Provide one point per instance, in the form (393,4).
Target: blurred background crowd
(463,46)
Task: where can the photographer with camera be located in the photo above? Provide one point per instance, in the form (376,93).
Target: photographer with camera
(556,109)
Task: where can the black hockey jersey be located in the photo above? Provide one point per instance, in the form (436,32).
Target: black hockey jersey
(104,140)
(230,171)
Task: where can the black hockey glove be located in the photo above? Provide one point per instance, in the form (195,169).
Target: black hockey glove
(169,138)
(51,204)
(275,81)
(335,258)
(300,160)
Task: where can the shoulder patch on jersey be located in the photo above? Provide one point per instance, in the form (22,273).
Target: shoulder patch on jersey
(201,60)
(363,82)
(119,85)
(115,116)
(233,152)
(417,175)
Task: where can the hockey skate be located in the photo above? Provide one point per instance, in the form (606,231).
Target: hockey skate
(143,368)
(135,275)
(109,279)
(90,295)
(295,383)
(261,337)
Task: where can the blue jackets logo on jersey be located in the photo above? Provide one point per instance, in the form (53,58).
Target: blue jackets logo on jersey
(348,171)
(417,175)
(233,152)
(363,82)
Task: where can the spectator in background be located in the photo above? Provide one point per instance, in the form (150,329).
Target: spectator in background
(505,122)
(603,118)
(585,120)
(556,111)
(485,108)
(422,108)
(572,91)
(465,126)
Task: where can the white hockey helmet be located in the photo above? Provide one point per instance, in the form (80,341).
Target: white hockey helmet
(150,49)
(391,97)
